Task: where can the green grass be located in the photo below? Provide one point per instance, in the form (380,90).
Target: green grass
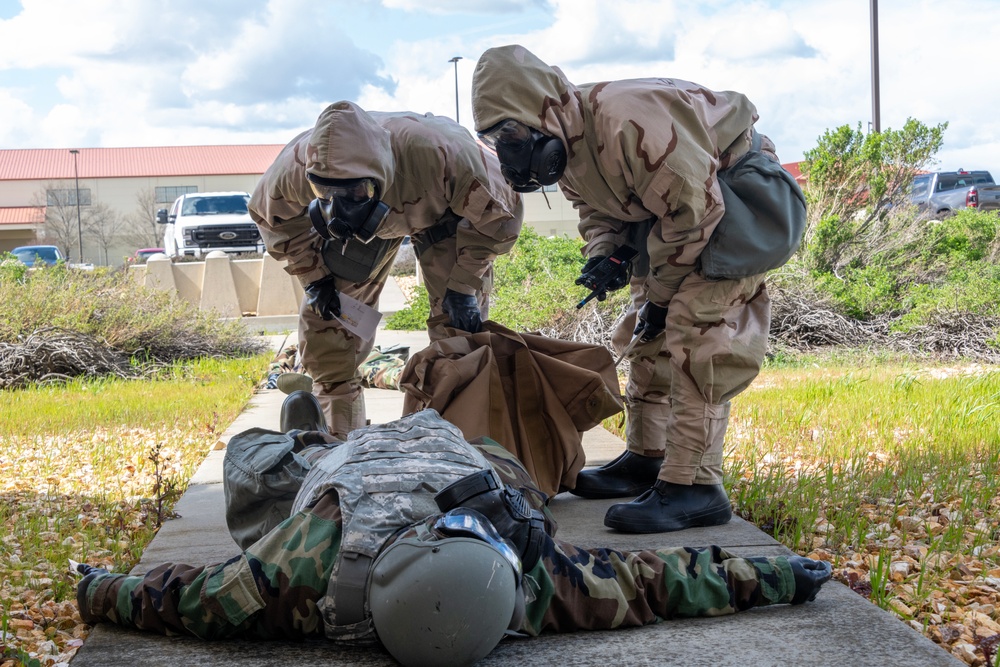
(201,392)
(89,470)
(875,459)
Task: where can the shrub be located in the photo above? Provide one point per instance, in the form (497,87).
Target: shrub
(108,306)
(533,288)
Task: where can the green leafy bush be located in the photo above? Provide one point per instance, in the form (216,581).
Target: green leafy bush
(532,286)
(414,316)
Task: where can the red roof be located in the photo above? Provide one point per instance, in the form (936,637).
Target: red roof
(793,169)
(57,163)
(22,215)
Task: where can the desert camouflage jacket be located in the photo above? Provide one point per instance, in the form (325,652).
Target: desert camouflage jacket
(272,590)
(429,169)
(639,150)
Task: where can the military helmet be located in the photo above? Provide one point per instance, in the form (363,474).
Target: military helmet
(445,602)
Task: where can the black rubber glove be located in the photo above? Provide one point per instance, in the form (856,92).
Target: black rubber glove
(463,309)
(613,276)
(652,322)
(89,573)
(323,298)
(810,575)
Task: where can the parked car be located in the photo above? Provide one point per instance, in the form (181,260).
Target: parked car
(939,194)
(42,255)
(143,254)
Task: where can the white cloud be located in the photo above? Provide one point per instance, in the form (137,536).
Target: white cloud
(104,72)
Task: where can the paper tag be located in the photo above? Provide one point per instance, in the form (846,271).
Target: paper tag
(359,319)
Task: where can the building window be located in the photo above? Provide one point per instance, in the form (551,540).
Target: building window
(67,197)
(167,195)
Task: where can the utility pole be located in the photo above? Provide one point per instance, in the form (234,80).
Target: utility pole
(876,123)
(455,60)
(79,222)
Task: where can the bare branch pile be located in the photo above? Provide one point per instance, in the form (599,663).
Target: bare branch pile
(804,321)
(52,354)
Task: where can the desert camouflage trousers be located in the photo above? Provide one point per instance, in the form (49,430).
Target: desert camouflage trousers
(271,590)
(680,385)
(332,355)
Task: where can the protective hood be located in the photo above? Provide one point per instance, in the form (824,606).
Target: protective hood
(511,82)
(347,143)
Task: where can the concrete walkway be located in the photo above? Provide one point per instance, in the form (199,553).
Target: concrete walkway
(840,628)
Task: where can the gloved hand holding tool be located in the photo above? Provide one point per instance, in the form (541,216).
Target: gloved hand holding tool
(651,323)
(606,274)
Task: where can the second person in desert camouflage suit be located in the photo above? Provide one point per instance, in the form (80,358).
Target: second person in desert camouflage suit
(440,187)
(639,161)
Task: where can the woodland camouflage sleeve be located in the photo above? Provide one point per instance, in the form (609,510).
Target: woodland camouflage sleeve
(269,592)
(601,589)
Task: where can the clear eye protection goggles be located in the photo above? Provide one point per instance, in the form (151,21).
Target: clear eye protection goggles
(508,133)
(463,522)
(348,190)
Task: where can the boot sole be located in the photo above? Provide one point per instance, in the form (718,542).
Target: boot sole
(714,517)
(607,495)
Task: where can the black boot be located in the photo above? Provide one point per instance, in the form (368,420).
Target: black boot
(667,507)
(302,411)
(628,475)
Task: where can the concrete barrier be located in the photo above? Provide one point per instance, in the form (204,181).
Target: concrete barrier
(232,287)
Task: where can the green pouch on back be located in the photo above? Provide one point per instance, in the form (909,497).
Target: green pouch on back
(764,221)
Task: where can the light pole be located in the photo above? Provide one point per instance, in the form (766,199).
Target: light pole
(455,60)
(79,223)
(876,122)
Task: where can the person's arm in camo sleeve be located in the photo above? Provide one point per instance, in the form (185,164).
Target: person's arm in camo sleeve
(269,592)
(491,213)
(279,205)
(572,588)
(601,233)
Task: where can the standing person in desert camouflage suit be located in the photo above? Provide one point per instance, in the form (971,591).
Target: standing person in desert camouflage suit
(639,161)
(337,203)
(440,588)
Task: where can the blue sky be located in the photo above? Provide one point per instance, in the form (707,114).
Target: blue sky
(185,72)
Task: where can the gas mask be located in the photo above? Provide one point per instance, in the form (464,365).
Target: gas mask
(528,158)
(505,507)
(346,209)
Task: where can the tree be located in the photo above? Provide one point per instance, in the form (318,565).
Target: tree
(141,228)
(104,226)
(61,227)
(857,183)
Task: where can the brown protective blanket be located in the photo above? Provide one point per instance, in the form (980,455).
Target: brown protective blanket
(532,394)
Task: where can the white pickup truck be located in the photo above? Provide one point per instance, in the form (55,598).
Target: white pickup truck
(199,222)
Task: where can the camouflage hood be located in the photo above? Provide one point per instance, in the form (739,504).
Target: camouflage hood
(511,82)
(347,143)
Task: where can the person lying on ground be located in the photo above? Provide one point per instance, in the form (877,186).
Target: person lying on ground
(436,547)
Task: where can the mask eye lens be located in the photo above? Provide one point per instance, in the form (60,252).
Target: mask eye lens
(510,134)
(361,191)
(355,190)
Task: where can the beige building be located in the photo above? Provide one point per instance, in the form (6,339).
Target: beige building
(106,199)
